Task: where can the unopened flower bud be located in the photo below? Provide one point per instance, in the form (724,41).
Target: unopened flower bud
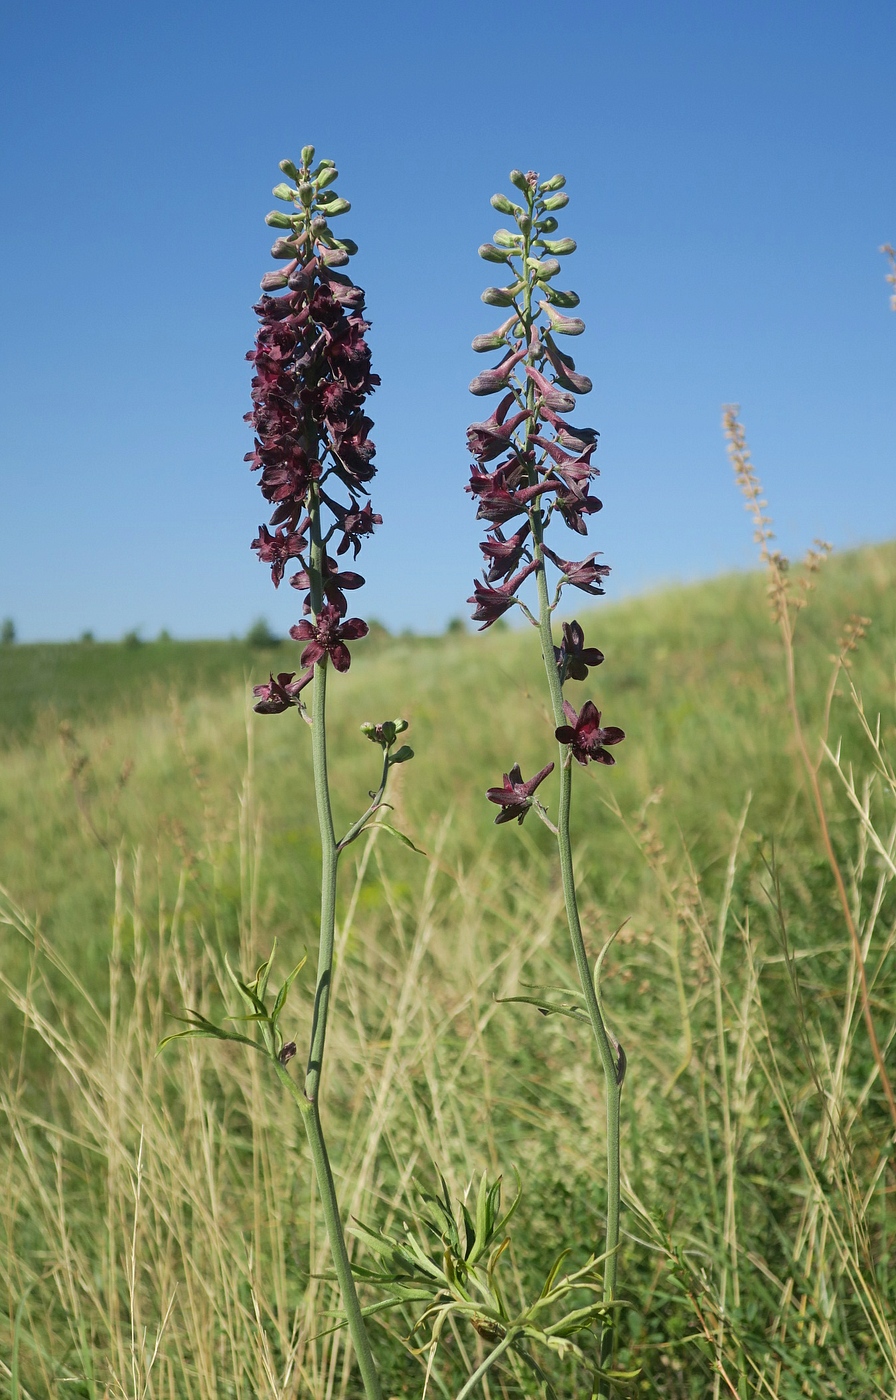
(284,192)
(274,281)
(337,206)
(400,725)
(490,253)
(559,246)
(564,325)
(547,225)
(319,224)
(505,239)
(501,296)
(277,220)
(306,194)
(503,204)
(401,755)
(327,176)
(547,267)
(524,222)
(284,248)
(348,245)
(556,182)
(558,298)
(518,178)
(335,257)
(289,169)
(493,340)
(556,201)
(307,156)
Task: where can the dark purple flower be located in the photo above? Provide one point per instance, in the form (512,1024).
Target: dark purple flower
(585,736)
(488,440)
(572,656)
(334,582)
(504,554)
(584,574)
(355,523)
(328,636)
(492,603)
(276,549)
(565,368)
(515,797)
(277,695)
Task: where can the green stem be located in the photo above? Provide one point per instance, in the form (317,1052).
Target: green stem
(481,1371)
(309,1099)
(608,1056)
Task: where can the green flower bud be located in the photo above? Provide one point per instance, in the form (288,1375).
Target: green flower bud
(557,201)
(284,192)
(335,257)
(289,169)
(558,298)
(518,178)
(284,248)
(348,245)
(547,225)
(490,253)
(307,156)
(493,340)
(503,204)
(524,222)
(547,267)
(400,725)
(505,239)
(277,220)
(327,176)
(337,206)
(306,194)
(558,246)
(563,325)
(556,182)
(368,729)
(401,755)
(501,296)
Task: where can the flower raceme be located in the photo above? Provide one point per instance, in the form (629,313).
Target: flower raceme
(312,448)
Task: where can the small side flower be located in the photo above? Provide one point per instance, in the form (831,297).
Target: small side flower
(516,796)
(587,739)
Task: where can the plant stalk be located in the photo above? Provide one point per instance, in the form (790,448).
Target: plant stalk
(308,1099)
(608,1056)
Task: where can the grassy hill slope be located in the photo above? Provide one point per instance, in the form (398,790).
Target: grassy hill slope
(150,822)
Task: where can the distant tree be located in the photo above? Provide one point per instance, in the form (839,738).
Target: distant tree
(87,637)
(7,632)
(260,635)
(164,635)
(455,626)
(132,640)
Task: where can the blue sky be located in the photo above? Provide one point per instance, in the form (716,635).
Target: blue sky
(731,173)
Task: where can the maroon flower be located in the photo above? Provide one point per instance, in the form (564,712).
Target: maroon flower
(515,797)
(584,574)
(277,695)
(572,656)
(492,381)
(488,440)
(585,736)
(354,523)
(277,548)
(334,582)
(492,603)
(504,554)
(551,397)
(328,636)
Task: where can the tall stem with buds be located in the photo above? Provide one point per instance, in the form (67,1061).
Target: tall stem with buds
(544,476)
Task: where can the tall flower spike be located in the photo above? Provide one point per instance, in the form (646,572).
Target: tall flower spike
(312,377)
(543,477)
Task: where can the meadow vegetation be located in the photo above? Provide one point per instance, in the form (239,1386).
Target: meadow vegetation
(159,1232)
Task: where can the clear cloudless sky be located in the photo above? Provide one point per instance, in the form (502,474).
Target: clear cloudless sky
(731,170)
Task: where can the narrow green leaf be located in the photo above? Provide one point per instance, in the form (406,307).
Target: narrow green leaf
(405,840)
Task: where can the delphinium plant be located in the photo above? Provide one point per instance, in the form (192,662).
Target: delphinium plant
(312,449)
(533,471)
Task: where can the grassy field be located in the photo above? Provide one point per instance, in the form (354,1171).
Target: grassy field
(159,1235)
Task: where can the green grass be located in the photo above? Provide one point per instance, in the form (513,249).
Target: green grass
(149,822)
